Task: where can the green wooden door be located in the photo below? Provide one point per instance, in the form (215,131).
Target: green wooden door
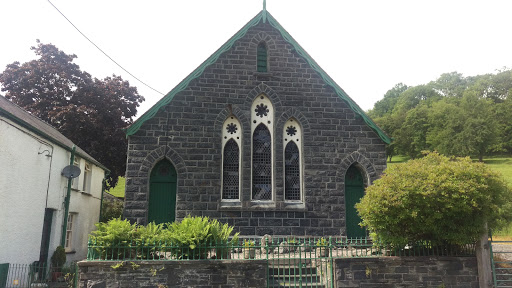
(354,191)
(162,193)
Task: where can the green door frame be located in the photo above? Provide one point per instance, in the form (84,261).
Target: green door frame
(354,191)
(162,193)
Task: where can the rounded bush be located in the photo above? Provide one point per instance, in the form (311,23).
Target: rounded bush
(436,198)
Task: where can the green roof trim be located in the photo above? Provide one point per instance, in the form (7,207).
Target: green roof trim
(264,16)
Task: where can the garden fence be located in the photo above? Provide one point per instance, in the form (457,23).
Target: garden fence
(37,275)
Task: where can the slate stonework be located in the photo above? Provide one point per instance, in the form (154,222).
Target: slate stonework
(407,272)
(167,274)
(188,132)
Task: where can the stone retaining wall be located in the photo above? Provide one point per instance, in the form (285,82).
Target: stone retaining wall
(167,274)
(454,272)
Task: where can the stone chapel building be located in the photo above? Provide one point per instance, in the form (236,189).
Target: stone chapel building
(258,136)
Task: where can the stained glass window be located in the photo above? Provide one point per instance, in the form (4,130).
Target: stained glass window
(292,172)
(261,164)
(230,168)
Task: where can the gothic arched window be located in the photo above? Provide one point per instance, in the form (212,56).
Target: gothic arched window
(231,161)
(262,117)
(292,138)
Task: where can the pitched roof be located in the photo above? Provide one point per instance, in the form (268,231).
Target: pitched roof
(262,16)
(41,128)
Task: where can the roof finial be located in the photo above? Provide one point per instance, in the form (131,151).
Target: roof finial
(264,11)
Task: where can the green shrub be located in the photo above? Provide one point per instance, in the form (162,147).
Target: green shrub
(435,198)
(191,238)
(114,238)
(59,257)
(111,209)
(196,236)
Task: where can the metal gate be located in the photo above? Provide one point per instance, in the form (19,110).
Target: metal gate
(501,261)
(38,275)
(299,262)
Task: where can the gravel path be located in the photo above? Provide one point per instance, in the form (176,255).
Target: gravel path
(504,250)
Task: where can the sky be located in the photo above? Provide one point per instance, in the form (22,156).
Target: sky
(365,46)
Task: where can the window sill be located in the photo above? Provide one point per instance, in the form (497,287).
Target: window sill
(262,204)
(228,204)
(294,205)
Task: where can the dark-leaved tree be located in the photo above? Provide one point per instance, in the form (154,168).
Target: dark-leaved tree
(89,111)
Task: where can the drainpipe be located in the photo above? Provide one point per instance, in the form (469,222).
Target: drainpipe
(66,203)
(103,186)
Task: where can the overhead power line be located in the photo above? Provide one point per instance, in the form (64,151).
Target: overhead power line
(104,51)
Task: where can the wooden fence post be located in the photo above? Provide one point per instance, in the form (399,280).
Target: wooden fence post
(483,258)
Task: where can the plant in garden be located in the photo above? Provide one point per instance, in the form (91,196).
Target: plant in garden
(59,257)
(114,238)
(111,209)
(445,200)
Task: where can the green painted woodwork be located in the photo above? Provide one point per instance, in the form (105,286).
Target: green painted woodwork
(162,193)
(4,271)
(45,238)
(354,191)
(262,16)
(262,57)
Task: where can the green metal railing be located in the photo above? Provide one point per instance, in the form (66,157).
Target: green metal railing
(37,275)
(501,262)
(267,248)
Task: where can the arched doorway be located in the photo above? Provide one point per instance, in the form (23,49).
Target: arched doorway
(162,193)
(354,191)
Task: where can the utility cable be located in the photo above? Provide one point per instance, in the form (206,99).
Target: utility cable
(103,51)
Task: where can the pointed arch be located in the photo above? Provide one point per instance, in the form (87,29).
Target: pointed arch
(292,143)
(354,191)
(231,160)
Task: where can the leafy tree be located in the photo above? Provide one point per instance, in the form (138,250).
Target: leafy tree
(451,84)
(411,137)
(89,111)
(387,104)
(435,198)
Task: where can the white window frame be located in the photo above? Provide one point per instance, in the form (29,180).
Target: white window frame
(86,184)
(69,231)
(75,181)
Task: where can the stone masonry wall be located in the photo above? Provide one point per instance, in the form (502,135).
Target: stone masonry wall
(188,133)
(413,272)
(176,274)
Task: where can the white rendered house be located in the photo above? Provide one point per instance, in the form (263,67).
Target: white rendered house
(33,190)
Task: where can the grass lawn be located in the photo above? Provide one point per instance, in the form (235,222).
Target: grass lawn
(118,191)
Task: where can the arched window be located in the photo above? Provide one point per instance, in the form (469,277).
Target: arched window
(231,161)
(262,116)
(262,57)
(292,139)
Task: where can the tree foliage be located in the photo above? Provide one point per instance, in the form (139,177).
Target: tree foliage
(445,200)
(455,115)
(89,111)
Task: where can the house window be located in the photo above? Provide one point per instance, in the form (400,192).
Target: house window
(74,184)
(262,58)
(262,164)
(86,187)
(292,161)
(69,231)
(231,160)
